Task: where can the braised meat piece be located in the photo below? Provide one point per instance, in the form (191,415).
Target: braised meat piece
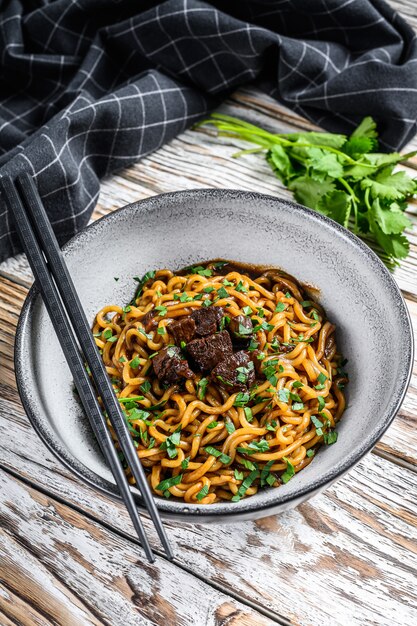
(241,330)
(182,330)
(207,320)
(235,372)
(148,320)
(257,361)
(170,366)
(208,351)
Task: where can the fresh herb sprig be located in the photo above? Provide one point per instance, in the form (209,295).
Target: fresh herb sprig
(342,177)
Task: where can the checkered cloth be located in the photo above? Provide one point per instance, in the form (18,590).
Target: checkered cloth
(90,86)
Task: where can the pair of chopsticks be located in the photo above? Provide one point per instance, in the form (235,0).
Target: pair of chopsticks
(71,326)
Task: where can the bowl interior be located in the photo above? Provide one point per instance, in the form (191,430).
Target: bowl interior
(175,230)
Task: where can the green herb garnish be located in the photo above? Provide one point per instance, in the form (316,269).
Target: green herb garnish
(202,493)
(289,472)
(134,363)
(245,485)
(162,310)
(223,458)
(201,388)
(342,177)
(230,427)
(241,399)
(169,482)
(185,462)
(170,444)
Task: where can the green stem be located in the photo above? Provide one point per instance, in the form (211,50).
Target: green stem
(355,200)
(367,203)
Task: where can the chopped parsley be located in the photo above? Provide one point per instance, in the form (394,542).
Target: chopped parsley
(202,271)
(330,437)
(255,447)
(297,406)
(170,444)
(241,399)
(169,482)
(246,484)
(223,458)
(222,293)
(263,326)
(224,321)
(284,395)
(230,427)
(142,281)
(201,388)
(289,472)
(185,462)
(146,386)
(280,307)
(241,288)
(266,476)
(162,310)
(248,413)
(202,493)
(134,363)
(318,424)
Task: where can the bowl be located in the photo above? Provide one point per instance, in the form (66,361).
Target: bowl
(178,229)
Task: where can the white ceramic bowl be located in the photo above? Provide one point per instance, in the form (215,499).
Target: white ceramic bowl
(178,229)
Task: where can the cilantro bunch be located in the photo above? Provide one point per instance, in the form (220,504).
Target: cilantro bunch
(342,177)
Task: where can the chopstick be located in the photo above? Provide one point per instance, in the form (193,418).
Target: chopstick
(62,302)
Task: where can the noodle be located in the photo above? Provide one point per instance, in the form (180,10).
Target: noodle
(198,440)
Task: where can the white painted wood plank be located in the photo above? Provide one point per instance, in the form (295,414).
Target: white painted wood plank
(358,540)
(74,571)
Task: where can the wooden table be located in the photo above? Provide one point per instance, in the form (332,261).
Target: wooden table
(67,553)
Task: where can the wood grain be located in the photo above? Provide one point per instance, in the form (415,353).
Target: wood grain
(358,539)
(199,159)
(66,551)
(67,569)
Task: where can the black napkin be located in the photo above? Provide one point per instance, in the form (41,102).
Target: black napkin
(90,86)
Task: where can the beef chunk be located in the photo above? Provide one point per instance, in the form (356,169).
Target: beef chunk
(170,366)
(182,330)
(208,351)
(241,330)
(235,372)
(148,320)
(254,354)
(207,320)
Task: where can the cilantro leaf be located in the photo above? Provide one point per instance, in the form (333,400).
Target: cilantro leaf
(337,205)
(309,191)
(389,186)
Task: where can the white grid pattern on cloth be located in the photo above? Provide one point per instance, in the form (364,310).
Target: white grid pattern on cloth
(90,86)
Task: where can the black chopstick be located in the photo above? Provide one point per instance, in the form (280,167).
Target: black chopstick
(48,246)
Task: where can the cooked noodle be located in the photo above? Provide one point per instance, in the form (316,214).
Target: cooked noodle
(204,442)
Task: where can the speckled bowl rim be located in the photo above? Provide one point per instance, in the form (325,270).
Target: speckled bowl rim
(246,507)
